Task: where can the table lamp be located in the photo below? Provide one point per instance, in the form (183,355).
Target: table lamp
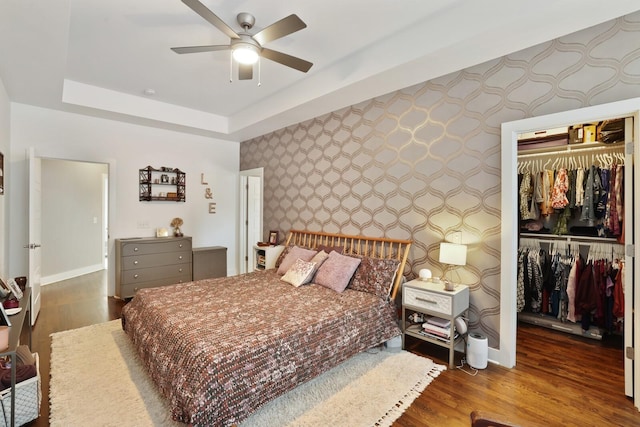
(451,254)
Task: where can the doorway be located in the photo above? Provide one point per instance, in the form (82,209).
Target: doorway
(509,240)
(74,218)
(251,212)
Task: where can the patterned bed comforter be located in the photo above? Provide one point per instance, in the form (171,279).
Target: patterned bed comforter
(218,349)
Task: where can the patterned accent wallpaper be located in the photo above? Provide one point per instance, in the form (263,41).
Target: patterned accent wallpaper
(423,162)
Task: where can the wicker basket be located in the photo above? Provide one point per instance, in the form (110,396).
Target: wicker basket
(28,397)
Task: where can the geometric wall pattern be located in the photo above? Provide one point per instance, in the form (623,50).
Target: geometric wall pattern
(424,161)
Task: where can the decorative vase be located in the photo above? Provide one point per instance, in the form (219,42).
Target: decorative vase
(177,232)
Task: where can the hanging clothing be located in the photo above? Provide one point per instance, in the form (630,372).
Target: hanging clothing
(579,187)
(618,294)
(590,194)
(569,289)
(559,192)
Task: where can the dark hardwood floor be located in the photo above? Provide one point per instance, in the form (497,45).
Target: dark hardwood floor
(559,380)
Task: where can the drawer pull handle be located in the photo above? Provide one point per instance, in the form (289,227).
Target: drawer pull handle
(180,245)
(135,249)
(426,300)
(135,262)
(180,270)
(135,276)
(180,257)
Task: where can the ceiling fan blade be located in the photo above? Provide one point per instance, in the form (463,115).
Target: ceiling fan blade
(211,17)
(288,60)
(279,29)
(198,49)
(245,72)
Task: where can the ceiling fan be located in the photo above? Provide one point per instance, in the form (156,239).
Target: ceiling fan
(247,48)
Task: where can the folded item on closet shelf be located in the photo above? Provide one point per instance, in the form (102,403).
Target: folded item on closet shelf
(532,225)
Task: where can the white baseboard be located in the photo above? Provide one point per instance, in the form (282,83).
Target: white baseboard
(47,280)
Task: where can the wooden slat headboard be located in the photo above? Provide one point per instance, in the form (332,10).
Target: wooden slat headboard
(375,247)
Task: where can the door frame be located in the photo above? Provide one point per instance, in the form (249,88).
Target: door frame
(245,248)
(506,354)
(34,232)
(111,208)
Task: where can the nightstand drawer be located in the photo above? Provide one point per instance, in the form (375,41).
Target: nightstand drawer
(432,301)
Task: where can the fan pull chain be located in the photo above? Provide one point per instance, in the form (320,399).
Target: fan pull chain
(231,67)
(259,75)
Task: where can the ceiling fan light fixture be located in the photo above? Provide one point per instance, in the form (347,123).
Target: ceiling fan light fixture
(245,54)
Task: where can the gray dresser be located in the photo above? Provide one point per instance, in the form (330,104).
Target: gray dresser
(150,262)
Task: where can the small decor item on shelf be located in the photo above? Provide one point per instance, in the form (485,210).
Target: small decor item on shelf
(273,237)
(176,223)
(15,289)
(22,282)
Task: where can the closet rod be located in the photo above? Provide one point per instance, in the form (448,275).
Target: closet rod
(574,151)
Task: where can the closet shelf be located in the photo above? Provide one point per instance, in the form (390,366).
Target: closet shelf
(571,148)
(570,238)
(555,324)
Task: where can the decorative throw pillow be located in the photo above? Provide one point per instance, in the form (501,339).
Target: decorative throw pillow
(300,273)
(374,275)
(282,255)
(294,253)
(328,249)
(335,273)
(319,258)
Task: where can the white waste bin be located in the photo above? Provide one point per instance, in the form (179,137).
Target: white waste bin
(477,350)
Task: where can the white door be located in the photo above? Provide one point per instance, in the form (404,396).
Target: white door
(35,231)
(254,218)
(250,216)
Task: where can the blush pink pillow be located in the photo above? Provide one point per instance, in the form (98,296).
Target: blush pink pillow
(294,253)
(336,272)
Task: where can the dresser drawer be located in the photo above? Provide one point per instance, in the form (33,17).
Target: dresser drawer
(129,290)
(135,262)
(157,274)
(423,299)
(144,248)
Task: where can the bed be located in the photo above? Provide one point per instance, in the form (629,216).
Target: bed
(218,349)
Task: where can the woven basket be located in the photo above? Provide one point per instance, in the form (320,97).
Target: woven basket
(28,397)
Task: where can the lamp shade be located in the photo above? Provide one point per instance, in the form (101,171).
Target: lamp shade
(453,253)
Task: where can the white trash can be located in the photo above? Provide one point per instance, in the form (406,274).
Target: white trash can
(477,350)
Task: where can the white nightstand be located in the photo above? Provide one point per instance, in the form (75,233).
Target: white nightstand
(430,298)
(266,256)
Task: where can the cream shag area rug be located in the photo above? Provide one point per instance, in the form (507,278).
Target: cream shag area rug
(97,379)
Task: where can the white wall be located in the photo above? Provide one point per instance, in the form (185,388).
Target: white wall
(72,224)
(4,149)
(126,148)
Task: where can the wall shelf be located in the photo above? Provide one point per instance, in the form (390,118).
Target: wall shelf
(164,184)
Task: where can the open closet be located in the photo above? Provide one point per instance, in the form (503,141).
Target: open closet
(572,211)
(593,240)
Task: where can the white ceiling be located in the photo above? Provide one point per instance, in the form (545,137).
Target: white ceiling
(99,56)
